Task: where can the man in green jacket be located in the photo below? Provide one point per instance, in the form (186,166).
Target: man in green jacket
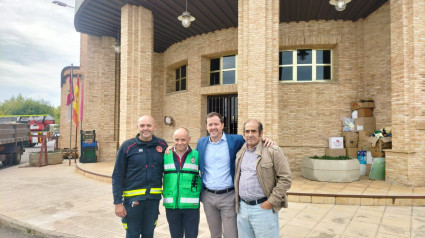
(182,187)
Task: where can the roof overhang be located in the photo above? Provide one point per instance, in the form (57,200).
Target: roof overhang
(103,17)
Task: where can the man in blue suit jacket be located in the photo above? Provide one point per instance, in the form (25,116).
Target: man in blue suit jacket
(217,155)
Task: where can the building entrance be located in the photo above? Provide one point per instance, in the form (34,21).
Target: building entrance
(226,105)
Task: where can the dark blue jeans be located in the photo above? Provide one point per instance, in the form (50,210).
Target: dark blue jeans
(141,219)
(183,222)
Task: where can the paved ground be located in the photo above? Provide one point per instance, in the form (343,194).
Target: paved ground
(57,201)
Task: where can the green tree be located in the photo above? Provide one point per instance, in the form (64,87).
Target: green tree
(20,105)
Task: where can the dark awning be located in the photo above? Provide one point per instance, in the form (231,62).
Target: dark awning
(102,17)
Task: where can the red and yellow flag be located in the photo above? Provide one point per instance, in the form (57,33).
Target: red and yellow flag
(76,104)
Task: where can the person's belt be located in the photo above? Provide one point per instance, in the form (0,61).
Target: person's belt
(219,191)
(255,202)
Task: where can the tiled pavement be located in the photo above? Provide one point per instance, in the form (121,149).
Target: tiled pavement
(55,199)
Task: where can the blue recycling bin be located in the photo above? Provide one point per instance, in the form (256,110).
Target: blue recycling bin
(88,152)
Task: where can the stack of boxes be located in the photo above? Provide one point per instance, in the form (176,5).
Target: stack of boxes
(358,143)
(365,125)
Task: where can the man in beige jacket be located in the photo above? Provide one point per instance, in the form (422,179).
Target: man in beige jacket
(262,178)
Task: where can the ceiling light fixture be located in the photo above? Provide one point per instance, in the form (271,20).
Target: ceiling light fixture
(339,4)
(117,46)
(186,18)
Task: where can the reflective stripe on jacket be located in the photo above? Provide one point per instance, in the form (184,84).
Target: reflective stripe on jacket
(138,170)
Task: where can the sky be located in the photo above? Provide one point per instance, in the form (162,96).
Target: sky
(37,40)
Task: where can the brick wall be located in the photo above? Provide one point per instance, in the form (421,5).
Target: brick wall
(98,69)
(374,57)
(309,113)
(137,60)
(405,163)
(188,107)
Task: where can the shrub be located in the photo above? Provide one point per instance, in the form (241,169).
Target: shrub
(327,157)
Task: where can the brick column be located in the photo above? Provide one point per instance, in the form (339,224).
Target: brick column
(406,162)
(258,64)
(98,70)
(136,68)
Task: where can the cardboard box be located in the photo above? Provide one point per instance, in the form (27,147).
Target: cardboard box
(364,145)
(364,112)
(336,142)
(379,144)
(352,152)
(335,152)
(365,124)
(362,103)
(351,139)
(364,135)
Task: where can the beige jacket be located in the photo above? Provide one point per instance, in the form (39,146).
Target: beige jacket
(273,173)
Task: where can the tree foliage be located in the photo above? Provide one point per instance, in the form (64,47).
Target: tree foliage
(20,105)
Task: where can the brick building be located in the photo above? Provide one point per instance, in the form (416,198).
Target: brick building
(295,65)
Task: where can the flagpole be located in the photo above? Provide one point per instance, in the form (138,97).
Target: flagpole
(70,123)
(76,147)
(81,103)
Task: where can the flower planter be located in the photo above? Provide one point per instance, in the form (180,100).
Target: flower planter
(330,170)
(53,157)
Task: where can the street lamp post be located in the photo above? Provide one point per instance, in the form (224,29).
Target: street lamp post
(62,4)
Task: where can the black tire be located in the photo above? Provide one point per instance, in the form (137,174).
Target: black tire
(8,160)
(17,158)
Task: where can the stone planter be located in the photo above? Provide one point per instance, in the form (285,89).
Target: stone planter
(53,157)
(330,170)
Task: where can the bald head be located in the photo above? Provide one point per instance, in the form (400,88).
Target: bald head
(182,131)
(146,126)
(145,118)
(181,140)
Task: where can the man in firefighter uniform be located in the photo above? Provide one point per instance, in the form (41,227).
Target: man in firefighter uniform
(182,187)
(137,180)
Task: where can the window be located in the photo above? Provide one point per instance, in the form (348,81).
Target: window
(181,78)
(223,70)
(305,65)
(227,106)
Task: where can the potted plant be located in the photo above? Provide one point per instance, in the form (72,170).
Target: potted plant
(330,168)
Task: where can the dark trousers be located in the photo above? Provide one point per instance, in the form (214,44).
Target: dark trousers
(183,222)
(141,219)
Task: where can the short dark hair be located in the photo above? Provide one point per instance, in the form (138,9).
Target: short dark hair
(214,114)
(260,126)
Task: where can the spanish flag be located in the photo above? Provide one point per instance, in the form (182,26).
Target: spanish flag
(76,104)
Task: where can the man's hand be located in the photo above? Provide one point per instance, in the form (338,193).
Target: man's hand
(267,142)
(169,148)
(120,210)
(266,205)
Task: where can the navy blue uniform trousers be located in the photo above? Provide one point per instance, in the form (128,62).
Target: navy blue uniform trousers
(183,222)
(141,219)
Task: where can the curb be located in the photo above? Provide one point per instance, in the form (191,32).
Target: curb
(28,230)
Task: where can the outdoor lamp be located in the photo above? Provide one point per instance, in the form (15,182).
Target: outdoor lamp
(186,18)
(339,4)
(117,47)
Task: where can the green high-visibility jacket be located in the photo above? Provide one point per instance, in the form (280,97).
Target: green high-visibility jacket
(182,188)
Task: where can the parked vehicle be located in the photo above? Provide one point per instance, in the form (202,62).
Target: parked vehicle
(12,138)
(39,125)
